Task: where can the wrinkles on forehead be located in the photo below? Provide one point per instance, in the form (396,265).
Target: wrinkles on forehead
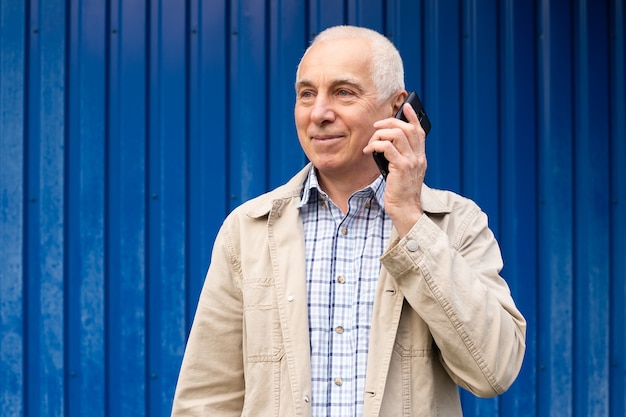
(340,62)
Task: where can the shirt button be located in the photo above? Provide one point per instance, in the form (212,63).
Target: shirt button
(341,280)
(339,329)
(412,245)
(338,382)
(344,231)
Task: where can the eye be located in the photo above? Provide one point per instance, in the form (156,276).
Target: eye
(305,94)
(344,92)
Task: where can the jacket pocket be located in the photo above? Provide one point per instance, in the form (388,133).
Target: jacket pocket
(262,332)
(409,391)
(263,376)
(263,348)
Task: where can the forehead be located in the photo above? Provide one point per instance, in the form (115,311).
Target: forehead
(337,59)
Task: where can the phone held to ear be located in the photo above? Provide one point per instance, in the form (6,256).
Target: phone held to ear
(414,101)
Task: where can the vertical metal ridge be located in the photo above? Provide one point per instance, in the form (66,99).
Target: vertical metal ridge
(555,240)
(14,205)
(591,209)
(617,98)
(518,187)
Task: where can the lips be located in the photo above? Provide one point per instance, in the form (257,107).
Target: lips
(326,137)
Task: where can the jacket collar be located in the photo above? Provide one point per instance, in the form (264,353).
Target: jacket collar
(292,190)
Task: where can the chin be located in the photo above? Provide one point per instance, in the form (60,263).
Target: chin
(327,166)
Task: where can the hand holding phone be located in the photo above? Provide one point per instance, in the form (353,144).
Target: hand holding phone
(414,101)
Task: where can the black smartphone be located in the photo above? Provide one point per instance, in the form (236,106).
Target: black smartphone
(415,102)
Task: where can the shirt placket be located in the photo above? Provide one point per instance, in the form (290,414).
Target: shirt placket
(343,337)
(341,306)
(338,335)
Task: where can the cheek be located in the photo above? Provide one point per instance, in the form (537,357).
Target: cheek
(301,117)
(301,124)
(364,130)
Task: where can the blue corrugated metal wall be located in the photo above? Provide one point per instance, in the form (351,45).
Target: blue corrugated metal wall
(129,128)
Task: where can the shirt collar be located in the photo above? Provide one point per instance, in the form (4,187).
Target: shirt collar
(377,188)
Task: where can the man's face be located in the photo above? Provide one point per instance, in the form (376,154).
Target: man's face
(336,106)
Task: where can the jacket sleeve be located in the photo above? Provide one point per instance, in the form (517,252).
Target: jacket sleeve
(448,271)
(211,379)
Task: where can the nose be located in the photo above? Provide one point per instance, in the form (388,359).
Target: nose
(322,111)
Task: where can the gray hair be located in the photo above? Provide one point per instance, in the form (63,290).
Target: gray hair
(386,63)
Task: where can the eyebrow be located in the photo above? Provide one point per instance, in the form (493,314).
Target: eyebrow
(335,83)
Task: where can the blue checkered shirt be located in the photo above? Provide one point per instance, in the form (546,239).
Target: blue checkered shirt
(342,268)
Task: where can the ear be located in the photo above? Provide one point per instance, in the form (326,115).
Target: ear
(397,100)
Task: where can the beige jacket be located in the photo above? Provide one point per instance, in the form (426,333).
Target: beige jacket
(442,316)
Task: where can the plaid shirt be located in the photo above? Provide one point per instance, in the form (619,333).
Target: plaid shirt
(342,262)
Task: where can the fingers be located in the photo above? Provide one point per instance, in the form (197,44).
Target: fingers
(409,113)
(393,133)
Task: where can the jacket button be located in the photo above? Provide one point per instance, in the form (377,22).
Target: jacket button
(412,245)
(307,399)
(290,298)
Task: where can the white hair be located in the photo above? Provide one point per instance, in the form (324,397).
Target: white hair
(387,69)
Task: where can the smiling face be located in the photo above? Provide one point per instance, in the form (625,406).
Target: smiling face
(336,106)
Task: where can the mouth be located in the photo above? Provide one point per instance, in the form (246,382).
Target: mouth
(324,138)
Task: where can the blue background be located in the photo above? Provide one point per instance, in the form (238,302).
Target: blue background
(130,128)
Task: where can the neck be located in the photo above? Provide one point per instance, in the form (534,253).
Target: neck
(339,188)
